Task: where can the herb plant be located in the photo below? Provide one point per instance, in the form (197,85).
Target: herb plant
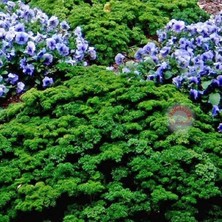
(98,148)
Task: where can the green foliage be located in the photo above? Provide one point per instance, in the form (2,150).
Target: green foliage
(98,148)
(113,26)
(187,11)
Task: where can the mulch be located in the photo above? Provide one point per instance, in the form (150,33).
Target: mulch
(211,6)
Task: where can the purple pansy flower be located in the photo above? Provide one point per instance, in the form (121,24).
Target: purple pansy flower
(178,81)
(139,54)
(23,63)
(3,90)
(82,45)
(51,43)
(20,87)
(215,110)
(30,49)
(178,26)
(119,58)
(62,49)
(220,128)
(12,78)
(149,48)
(219,78)
(92,53)
(47,58)
(194,94)
(64,25)
(165,51)
(41,53)
(20,27)
(10,35)
(21,38)
(53,22)
(194,80)
(78,31)
(46,82)
(28,69)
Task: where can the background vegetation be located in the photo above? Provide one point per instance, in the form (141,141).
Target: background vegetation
(120,26)
(98,148)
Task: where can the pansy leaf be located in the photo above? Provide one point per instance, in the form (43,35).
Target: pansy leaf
(4,73)
(214,98)
(37,81)
(205,84)
(168,74)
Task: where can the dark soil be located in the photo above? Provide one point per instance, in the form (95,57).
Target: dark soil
(12,99)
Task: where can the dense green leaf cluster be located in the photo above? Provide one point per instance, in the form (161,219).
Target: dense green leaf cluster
(116,25)
(98,148)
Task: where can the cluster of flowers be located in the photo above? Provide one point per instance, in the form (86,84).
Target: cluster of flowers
(31,43)
(188,56)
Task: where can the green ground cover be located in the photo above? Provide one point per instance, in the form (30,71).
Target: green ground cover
(98,148)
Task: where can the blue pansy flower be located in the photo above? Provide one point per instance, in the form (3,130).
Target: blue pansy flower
(46,82)
(214,83)
(79,55)
(51,43)
(20,87)
(9,36)
(150,48)
(194,80)
(30,49)
(177,81)
(82,45)
(28,14)
(3,90)
(194,94)
(41,53)
(119,58)
(162,36)
(47,58)
(19,27)
(21,38)
(53,22)
(215,110)
(165,51)
(220,128)
(139,54)
(92,53)
(178,26)
(62,49)
(23,63)
(151,77)
(64,25)
(28,69)
(154,58)
(78,31)
(219,78)
(12,78)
